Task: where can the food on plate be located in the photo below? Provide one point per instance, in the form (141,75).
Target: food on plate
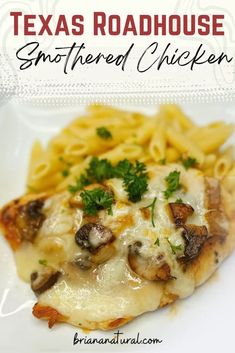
(123,214)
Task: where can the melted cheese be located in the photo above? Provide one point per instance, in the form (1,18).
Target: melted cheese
(112,290)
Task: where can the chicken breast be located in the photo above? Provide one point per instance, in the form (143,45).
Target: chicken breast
(99,272)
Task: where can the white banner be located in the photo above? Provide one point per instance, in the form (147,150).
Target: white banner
(145,52)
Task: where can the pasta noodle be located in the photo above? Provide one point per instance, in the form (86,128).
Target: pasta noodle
(183,144)
(36,155)
(157,146)
(222,167)
(172,155)
(211,138)
(123,151)
(165,137)
(223,164)
(175,113)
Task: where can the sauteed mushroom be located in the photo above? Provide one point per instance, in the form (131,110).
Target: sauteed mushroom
(93,236)
(195,236)
(216,219)
(151,268)
(43,280)
(105,253)
(213,193)
(180,212)
(217,224)
(84,263)
(30,219)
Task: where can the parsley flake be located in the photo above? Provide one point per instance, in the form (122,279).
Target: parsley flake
(157,242)
(162,161)
(67,165)
(134,176)
(42,262)
(135,181)
(152,207)
(178,201)
(189,162)
(62,160)
(122,168)
(173,183)
(80,183)
(175,248)
(99,170)
(96,200)
(104,133)
(65,172)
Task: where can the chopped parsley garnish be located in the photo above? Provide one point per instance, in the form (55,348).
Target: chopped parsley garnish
(152,207)
(104,133)
(135,181)
(65,172)
(99,170)
(189,162)
(61,159)
(162,161)
(67,165)
(80,183)
(42,262)
(134,176)
(96,200)
(122,168)
(178,201)
(157,242)
(175,248)
(173,183)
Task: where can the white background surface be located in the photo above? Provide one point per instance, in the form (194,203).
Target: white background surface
(203,322)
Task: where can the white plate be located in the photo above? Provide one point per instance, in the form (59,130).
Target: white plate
(203,322)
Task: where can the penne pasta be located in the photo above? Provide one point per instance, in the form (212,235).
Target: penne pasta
(168,136)
(184,145)
(123,151)
(175,113)
(157,146)
(223,164)
(210,139)
(36,155)
(172,155)
(209,161)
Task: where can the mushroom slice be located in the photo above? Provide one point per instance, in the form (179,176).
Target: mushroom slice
(195,236)
(44,280)
(180,212)
(30,219)
(93,236)
(213,194)
(150,268)
(84,263)
(105,253)
(217,223)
